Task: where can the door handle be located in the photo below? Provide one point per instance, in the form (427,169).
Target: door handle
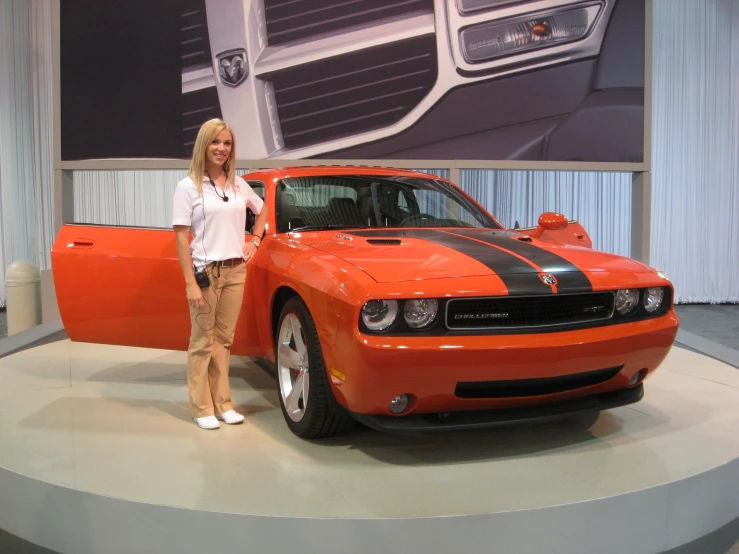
(81,243)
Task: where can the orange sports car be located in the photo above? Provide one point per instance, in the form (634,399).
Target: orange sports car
(392,298)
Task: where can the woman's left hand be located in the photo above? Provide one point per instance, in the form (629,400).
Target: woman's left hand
(249,250)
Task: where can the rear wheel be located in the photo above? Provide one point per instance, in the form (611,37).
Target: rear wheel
(308,405)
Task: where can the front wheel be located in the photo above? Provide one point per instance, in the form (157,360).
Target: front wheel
(307,402)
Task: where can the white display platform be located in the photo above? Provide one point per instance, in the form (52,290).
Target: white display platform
(98,454)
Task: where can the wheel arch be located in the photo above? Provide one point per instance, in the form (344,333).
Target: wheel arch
(331,417)
(280,298)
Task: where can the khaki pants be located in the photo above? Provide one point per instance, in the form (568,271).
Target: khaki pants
(212,334)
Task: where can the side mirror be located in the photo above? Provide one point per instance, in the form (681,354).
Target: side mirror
(549,221)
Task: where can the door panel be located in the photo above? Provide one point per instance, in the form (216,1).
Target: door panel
(121,285)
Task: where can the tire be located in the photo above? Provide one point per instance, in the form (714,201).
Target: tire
(308,405)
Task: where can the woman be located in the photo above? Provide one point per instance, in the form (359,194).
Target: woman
(210,203)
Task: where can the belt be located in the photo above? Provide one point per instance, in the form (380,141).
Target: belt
(229,263)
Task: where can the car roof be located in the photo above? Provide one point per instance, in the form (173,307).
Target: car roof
(307,171)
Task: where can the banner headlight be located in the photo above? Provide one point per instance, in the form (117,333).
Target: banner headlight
(496,39)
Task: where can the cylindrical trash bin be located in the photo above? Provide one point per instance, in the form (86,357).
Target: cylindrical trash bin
(22,296)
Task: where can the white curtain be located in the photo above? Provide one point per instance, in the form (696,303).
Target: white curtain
(139,198)
(601,202)
(695,154)
(26,139)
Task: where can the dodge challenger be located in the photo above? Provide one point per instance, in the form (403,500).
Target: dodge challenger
(392,298)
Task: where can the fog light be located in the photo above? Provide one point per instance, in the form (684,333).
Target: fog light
(399,404)
(638,377)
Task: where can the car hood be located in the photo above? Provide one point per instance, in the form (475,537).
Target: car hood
(396,255)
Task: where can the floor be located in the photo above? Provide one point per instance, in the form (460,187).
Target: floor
(113,421)
(60,401)
(716,323)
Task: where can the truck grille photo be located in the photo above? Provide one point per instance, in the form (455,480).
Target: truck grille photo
(288,20)
(355,92)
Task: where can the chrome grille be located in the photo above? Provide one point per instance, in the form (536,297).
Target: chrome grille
(293,20)
(197,107)
(513,312)
(194,40)
(316,103)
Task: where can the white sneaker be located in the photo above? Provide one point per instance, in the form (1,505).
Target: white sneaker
(207,422)
(230,417)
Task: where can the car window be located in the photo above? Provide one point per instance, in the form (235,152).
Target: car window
(356,201)
(320,194)
(439,206)
(403,203)
(258,187)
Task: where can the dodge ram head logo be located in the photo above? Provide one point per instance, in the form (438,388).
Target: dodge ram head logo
(548,279)
(232,67)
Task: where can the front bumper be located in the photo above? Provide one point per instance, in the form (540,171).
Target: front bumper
(480,419)
(367,372)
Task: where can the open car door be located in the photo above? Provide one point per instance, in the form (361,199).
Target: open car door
(121,285)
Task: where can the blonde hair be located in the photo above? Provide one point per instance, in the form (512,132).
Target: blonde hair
(207,133)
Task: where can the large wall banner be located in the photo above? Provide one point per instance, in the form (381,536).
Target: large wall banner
(542,80)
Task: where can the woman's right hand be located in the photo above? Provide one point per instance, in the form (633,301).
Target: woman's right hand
(195,296)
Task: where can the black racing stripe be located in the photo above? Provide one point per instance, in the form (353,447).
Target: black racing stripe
(569,277)
(519,277)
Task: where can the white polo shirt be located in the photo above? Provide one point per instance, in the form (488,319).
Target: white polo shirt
(217,227)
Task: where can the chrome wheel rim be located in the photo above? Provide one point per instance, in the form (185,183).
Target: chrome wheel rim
(293,367)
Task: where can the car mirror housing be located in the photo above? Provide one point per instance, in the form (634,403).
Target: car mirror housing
(550,221)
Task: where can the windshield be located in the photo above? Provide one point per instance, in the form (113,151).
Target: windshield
(346,202)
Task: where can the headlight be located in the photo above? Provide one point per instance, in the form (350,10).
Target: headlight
(420,312)
(653,299)
(378,315)
(626,300)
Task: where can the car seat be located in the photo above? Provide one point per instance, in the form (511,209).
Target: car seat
(344,211)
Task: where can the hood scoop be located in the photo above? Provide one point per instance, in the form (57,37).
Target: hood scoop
(390,242)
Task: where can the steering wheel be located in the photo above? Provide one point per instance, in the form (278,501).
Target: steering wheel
(417,220)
